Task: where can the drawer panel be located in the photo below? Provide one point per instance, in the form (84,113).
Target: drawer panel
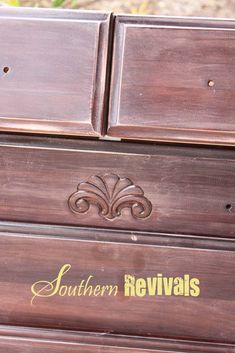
(118,185)
(173,80)
(53,67)
(22,340)
(85,283)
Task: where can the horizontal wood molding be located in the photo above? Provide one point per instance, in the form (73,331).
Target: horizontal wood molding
(15,339)
(117,236)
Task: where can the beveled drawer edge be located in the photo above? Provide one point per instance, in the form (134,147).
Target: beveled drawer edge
(79,339)
(53,14)
(159,133)
(170,135)
(100,85)
(178,21)
(106,235)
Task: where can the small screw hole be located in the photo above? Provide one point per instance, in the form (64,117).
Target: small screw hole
(228,207)
(211,83)
(6,69)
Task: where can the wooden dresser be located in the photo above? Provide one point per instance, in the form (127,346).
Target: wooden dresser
(117,197)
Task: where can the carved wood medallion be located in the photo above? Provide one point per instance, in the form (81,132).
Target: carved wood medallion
(110,194)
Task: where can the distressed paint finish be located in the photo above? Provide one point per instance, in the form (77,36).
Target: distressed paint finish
(106,209)
(191,190)
(56,81)
(26,259)
(173,80)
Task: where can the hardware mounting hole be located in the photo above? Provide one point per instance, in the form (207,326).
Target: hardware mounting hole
(228,207)
(6,69)
(211,83)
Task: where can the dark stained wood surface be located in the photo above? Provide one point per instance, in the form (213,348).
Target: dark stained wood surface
(119,236)
(109,209)
(53,71)
(18,340)
(174,189)
(173,80)
(26,259)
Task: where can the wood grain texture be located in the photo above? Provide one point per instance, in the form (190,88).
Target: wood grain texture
(56,82)
(18,340)
(119,236)
(173,80)
(26,259)
(191,190)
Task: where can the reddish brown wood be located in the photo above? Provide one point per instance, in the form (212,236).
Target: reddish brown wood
(173,80)
(15,340)
(119,236)
(56,81)
(25,259)
(148,209)
(185,190)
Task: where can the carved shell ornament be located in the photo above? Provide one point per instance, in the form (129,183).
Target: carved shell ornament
(110,194)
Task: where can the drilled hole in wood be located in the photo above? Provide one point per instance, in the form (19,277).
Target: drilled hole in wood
(228,207)
(6,69)
(211,83)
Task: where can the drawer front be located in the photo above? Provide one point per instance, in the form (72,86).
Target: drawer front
(117,185)
(18,340)
(183,291)
(173,80)
(53,66)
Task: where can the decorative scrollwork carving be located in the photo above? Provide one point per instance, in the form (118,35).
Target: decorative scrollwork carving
(110,194)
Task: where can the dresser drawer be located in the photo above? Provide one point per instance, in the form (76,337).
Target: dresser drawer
(173,80)
(30,340)
(53,66)
(89,280)
(118,185)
